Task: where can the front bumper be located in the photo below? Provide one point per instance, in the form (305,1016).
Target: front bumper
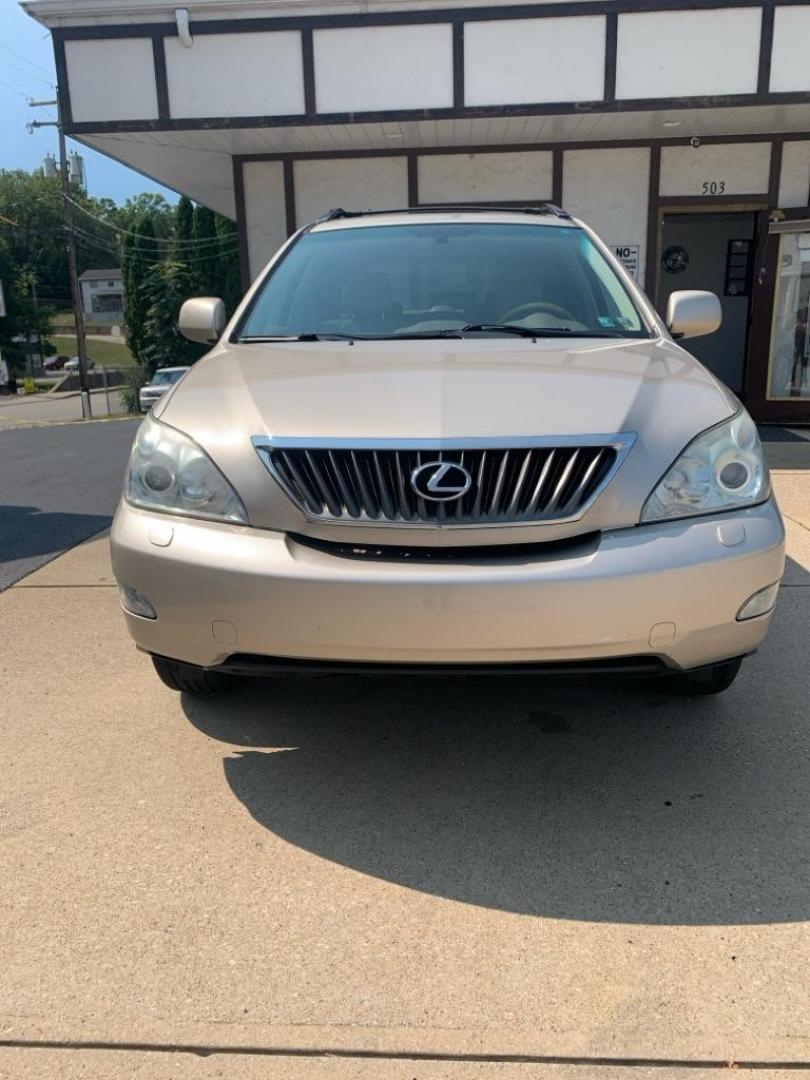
(668,590)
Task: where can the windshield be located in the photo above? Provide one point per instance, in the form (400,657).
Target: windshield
(430,279)
(164,378)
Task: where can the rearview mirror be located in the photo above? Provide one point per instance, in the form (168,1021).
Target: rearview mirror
(202,319)
(692,313)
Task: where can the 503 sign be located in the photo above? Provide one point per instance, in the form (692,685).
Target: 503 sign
(714,187)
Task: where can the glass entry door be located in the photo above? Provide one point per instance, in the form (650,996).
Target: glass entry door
(789,359)
(779,387)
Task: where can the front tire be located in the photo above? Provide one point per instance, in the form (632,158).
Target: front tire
(713,679)
(189,679)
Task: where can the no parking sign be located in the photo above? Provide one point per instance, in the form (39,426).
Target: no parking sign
(627,254)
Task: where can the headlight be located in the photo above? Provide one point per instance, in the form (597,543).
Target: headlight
(721,469)
(168,471)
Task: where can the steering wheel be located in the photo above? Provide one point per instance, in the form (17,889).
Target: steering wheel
(537,306)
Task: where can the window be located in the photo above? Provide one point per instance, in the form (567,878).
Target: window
(106,303)
(427,279)
(169,377)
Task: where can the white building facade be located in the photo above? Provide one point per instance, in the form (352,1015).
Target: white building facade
(681,133)
(102,295)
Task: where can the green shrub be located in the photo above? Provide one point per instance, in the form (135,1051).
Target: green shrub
(136,377)
(30,386)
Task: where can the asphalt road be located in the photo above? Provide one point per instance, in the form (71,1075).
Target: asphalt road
(58,486)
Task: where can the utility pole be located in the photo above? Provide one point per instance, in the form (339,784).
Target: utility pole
(70,244)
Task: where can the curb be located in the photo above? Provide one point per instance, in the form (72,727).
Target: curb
(64,423)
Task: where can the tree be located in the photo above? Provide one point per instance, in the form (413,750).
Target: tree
(183,227)
(229,275)
(167,254)
(167,286)
(23,316)
(184,243)
(148,204)
(32,227)
(210,252)
(205,253)
(140,256)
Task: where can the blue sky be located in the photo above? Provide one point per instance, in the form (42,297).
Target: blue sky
(26,71)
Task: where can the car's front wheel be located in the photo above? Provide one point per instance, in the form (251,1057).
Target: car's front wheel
(188,679)
(713,679)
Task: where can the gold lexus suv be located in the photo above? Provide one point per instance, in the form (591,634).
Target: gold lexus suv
(448,440)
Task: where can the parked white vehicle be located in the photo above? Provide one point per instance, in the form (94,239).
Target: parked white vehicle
(161,381)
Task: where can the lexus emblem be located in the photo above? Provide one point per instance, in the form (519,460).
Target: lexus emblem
(440,481)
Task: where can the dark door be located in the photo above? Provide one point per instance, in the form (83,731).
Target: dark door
(713,251)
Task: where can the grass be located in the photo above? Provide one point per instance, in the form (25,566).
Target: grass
(109,353)
(62,319)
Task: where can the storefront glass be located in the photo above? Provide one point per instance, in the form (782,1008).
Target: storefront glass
(790,339)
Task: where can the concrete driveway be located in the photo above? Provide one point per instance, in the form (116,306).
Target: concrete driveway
(397,878)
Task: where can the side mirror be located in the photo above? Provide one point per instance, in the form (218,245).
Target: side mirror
(692,313)
(202,319)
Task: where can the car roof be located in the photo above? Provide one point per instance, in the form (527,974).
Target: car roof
(544,215)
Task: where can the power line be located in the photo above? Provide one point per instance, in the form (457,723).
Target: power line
(155,258)
(14,90)
(25,59)
(228,246)
(167,240)
(160,256)
(29,74)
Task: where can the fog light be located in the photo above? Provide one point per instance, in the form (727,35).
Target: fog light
(136,603)
(759,604)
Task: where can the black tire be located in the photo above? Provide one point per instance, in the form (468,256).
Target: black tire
(707,680)
(188,679)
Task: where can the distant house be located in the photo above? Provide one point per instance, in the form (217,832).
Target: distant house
(102,295)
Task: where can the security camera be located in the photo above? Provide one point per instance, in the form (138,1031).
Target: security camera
(694,142)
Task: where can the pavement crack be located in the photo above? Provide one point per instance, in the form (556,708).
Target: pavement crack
(88,585)
(357,1053)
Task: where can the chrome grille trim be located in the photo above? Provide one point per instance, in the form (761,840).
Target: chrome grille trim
(516,481)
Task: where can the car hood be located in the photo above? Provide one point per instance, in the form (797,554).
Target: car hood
(475,388)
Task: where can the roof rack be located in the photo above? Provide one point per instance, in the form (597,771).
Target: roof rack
(557,211)
(544,208)
(339,212)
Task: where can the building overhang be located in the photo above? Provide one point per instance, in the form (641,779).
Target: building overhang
(54,13)
(362,77)
(199,161)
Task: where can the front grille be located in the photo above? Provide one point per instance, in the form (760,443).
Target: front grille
(508,485)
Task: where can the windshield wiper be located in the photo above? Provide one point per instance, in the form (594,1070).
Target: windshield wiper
(258,339)
(460,331)
(528,331)
(448,332)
